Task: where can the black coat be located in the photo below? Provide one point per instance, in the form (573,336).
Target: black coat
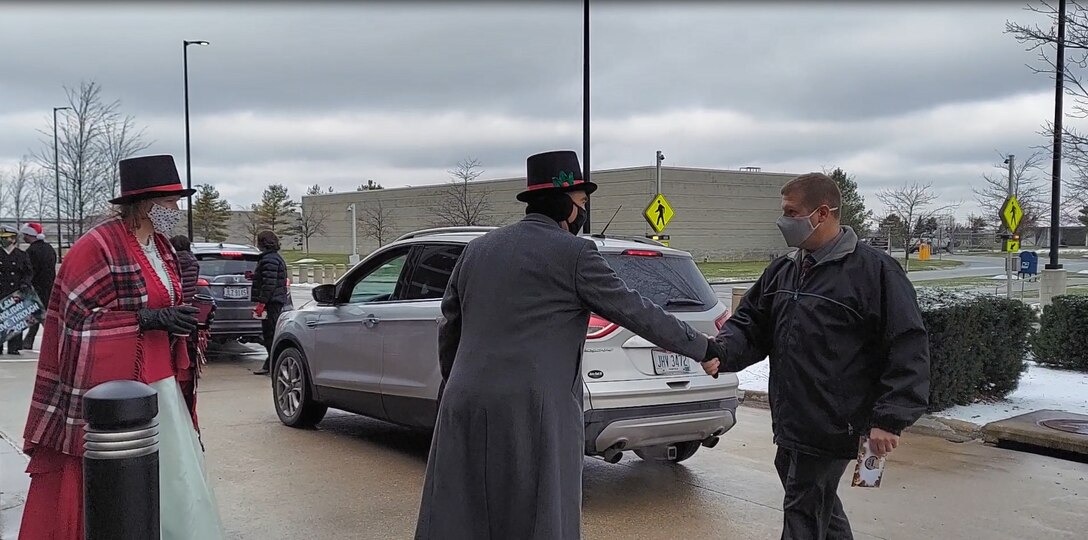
(270,280)
(848,348)
(43,261)
(15,271)
(189,270)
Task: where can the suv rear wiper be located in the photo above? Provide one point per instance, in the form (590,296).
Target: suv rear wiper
(683,302)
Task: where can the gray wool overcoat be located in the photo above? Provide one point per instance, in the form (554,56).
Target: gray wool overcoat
(506,458)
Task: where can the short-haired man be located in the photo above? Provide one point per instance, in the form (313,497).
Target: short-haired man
(848,351)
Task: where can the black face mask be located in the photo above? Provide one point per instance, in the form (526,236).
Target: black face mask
(575,226)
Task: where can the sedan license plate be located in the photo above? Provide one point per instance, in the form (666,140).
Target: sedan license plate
(669,363)
(236,292)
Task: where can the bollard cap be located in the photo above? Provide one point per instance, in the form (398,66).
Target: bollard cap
(120,404)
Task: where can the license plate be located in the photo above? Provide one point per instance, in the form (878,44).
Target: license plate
(236,292)
(668,363)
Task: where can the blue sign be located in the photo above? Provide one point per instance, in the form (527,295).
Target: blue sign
(1029,263)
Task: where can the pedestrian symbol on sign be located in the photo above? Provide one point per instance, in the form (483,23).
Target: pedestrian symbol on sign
(658,214)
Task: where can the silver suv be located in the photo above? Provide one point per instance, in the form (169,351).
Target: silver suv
(369,345)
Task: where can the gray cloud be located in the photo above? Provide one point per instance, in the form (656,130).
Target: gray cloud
(338,93)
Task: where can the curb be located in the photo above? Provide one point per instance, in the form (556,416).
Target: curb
(933,426)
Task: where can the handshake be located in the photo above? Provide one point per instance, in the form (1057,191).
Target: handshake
(712,361)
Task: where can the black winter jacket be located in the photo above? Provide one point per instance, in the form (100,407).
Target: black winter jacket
(848,348)
(270,280)
(43,259)
(190,273)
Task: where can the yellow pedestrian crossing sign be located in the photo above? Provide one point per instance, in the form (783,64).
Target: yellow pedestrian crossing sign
(1011,213)
(659,213)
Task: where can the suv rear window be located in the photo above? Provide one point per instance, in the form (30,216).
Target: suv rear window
(217,264)
(674,283)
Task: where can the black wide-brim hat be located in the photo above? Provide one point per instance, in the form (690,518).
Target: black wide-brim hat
(148,177)
(552,172)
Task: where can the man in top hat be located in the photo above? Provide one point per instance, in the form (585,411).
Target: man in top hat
(117,314)
(506,458)
(43,262)
(15,275)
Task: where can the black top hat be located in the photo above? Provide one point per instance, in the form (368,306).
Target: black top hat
(554,171)
(147,177)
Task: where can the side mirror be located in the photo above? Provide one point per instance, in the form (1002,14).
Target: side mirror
(325,294)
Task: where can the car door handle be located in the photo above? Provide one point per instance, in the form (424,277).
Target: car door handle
(371,321)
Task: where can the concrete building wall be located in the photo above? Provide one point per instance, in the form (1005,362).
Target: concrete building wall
(720,214)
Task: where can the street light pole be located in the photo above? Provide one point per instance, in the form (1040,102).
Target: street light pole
(1008,253)
(188,165)
(585,109)
(1056,170)
(354,235)
(56,173)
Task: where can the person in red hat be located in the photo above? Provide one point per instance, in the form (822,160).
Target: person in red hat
(43,261)
(116,313)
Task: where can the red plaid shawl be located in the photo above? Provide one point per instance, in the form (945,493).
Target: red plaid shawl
(91,333)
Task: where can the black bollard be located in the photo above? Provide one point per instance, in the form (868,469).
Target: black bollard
(121,462)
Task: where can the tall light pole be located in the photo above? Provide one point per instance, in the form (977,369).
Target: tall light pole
(1053,281)
(56,173)
(188,165)
(354,235)
(585,109)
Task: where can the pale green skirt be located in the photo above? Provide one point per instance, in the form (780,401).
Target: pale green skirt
(187,505)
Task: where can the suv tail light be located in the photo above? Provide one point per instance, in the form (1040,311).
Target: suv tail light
(720,321)
(231,254)
(599,327)
(202,282)
(642,253)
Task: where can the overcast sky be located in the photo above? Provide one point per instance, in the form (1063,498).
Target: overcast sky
(339,93)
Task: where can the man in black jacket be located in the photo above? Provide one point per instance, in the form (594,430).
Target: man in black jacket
(269,290)
(848,350)
(15,275)
(43,263)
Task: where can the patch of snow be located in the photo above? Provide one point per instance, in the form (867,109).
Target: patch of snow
(307,261)
(755,376)
(305,285)
(1040,388)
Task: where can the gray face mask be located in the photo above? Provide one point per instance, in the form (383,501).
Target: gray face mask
(796,230)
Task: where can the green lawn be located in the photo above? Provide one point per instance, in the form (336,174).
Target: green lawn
(752,269)
(961,283)
(932,264)
(293,257)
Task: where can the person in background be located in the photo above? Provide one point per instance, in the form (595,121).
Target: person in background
(189,269)
(15,275)
(269,290)
(116,313)
(43,262)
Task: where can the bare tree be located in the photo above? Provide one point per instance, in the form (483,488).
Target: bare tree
(1033,194)
(91,137)
(1043,42)
(121,139)
(253,224)
(20,188)
(378,222)
(40,203)
(914,204)
(461,204)
(311,222)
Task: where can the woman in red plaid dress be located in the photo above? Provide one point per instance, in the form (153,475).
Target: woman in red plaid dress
(116,313)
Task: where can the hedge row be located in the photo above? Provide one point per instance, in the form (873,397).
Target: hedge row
(1062,340)
(979,345)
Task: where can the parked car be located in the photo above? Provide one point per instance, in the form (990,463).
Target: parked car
(368,344)
(226,273)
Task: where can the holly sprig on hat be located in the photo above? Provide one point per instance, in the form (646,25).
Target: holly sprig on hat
(564,179)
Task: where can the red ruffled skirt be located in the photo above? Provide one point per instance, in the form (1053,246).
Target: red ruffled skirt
(54,505)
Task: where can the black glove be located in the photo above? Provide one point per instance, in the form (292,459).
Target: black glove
(176,320)
(211,315)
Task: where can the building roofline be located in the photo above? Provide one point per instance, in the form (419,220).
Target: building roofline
(617,170)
